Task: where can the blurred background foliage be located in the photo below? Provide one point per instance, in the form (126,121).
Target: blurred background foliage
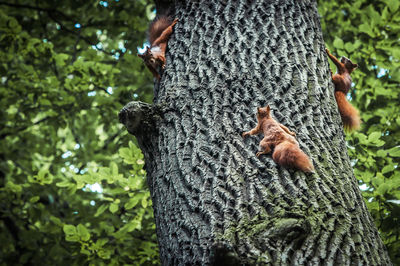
(72,187)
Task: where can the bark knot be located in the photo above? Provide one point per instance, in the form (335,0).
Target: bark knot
(140,118)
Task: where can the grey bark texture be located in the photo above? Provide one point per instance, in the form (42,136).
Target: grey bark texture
(214,201)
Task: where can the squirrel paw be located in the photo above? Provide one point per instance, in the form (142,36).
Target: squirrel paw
(161,61)
(260,152)
(174,22)
(327,51)
(292,133)
(245,134)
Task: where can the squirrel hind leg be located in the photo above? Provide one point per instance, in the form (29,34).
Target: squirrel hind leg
(265,148)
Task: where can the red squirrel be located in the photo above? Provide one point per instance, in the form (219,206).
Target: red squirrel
(342,81)
(277,137)
(159,32)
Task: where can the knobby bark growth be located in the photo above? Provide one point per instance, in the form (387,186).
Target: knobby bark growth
(214,201)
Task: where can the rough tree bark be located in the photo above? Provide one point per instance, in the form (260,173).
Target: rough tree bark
(214,201)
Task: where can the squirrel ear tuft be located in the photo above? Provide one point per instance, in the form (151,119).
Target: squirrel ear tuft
(355,65)
(268,109)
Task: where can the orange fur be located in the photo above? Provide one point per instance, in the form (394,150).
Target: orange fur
(277,137)
(342,81)
(350,116)
(159,32)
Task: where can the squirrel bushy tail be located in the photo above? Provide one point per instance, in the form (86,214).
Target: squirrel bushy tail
(350,116)
(159,24)
(289,155)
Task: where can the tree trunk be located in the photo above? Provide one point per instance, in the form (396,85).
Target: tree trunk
(214,201)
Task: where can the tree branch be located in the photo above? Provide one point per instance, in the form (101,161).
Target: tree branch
(52,10)
(2,136)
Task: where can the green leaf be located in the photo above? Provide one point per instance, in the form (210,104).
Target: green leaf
(136,182)
(104,254)
(383,188)
(144,202)
(56,221)
(34,199)
(83,232)
(385,14)
(395,151)
(338,43)
(393,5)
(72,238)
(378,180)
(364,176)
(113,207)
(69,229)
(114,169)
(375,17)
(60,59)
(15,188)
(134,224)
(63,184)
(126,154)
(381,153)
(374,136)
(388,168)
(132,202)
(349,47)
(42,172)
(379,143)
(101,209)
(366,28)
(101,242)
(85,251)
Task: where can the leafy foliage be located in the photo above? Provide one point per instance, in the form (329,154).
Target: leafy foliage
(69,195)
(368,32)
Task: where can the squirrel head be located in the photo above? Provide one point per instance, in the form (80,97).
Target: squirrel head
(348,64)
(263,112)
(148,58)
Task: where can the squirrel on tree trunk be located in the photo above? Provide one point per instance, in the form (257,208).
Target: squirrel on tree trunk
(342,81)
(277,137)
(159,32)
